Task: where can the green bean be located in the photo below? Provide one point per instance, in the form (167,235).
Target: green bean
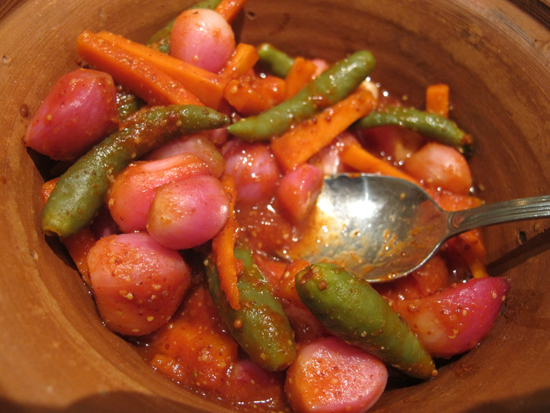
(330,87)
(81,190)
(275,61)
(161,39)
(431,125)
(352,310)
(260,325)
(127,103)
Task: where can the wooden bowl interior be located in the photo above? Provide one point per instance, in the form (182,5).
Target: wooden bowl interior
(58,355)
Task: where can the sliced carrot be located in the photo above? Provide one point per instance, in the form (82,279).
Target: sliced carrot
(437,99)
(240,63)
(134,73)
(301,73)
(78,245)
(363,161)
(286,288)
(202,83)
(251,95)
(229,9)
(297,145)
(223,246)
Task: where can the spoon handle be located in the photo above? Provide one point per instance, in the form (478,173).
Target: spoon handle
(499,213)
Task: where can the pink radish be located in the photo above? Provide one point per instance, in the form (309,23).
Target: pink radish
(332,376)
(187,213)
(78,112)
(441,166)
(298,191)
(132,191)
(456,319)
(137,283)
(203,38)
(253,168)
(198,145)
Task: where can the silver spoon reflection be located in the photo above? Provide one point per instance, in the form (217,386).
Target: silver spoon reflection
(381,228)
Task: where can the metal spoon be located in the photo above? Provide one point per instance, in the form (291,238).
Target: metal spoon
(381,228)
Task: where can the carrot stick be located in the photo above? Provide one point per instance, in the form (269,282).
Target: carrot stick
(78,245)
(297,145)
(363,161)
(229,9)
(437,99)
(240,63)
(301,73)
(251,95)
(144,79)
(223,246)
(202,83)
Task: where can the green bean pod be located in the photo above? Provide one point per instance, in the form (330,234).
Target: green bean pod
(352,310)
(161,40)
(260,325)
(274,60)
(81,190)
(127,103)
(330,87)
(431,125)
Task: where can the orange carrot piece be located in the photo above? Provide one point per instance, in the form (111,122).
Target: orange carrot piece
(202,83)
(301,73)
(363,161)
(437,99)
(286,288)
(141,77)
(240,63)
(297,145)
(78,245)
(223,246)
(251,95)
(229,9)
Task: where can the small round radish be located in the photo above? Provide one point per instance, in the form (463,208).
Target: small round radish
(78,112)
(198,145)
(298,191)
(253,168)
(456,319)
(441,166)
(132,191)
(332,376)
(187,213)
(203,38)
(138,284)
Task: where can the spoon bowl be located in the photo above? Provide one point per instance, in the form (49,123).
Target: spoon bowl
(381,228)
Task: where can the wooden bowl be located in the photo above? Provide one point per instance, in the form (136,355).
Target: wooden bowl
(55,353)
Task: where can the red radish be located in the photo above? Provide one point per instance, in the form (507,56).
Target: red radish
(298,191)
(78,112)
(198,145)
(253,168)
(132,191)
(138,284)
(440,166)
(329,375)
(328,159)
(456,319)
(187,213)
(391,142)
(203,38)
